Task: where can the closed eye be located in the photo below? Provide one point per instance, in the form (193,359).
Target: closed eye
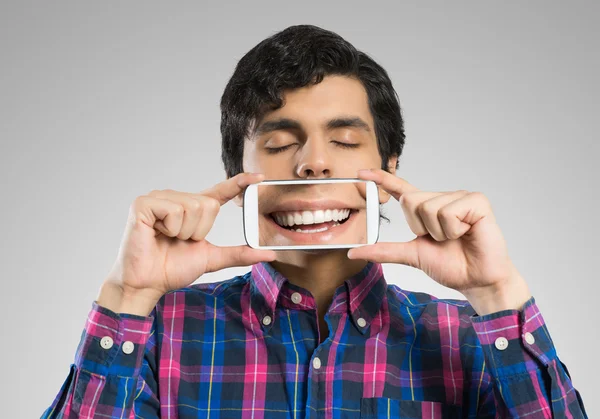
(346,145)
(275,150)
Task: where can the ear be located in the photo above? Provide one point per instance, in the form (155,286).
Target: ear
(391,167)
(392,164)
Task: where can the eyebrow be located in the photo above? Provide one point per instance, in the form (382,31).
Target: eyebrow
(286,123)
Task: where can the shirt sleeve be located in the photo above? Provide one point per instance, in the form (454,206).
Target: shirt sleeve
(528,378)
(114,372)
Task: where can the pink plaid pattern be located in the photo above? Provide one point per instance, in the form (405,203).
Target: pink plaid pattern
(210,351)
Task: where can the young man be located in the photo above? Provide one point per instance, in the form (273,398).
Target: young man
(311,334)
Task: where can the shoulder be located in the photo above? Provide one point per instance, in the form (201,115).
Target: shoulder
(206,293)
(414,301)
(439,319)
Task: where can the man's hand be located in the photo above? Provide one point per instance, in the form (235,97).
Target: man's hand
(164,246)
(458,244)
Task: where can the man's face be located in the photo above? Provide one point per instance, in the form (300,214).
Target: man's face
(322,131)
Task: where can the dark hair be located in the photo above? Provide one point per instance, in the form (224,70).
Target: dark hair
(292,58)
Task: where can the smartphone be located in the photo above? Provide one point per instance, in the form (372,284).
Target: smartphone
(311,214)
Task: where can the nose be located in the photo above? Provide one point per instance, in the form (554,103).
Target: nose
(314,161)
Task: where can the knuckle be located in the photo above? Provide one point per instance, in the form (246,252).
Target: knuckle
(177,210)
(481,197)
(195,206)
(444,213)
(425,208)
(212,205)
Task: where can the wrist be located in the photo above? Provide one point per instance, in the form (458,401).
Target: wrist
(511,294)
(140,305)
(116,299)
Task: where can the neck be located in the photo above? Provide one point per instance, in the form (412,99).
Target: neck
(320,272)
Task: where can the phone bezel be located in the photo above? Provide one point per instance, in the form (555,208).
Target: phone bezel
(250,214)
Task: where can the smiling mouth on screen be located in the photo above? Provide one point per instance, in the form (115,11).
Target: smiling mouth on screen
(311,227)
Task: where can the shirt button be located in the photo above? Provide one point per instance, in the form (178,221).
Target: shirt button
(127,347)
(316,363)
(267,320)
(529,338)
(106,342)
(361,322)
(501,343)
(296,297)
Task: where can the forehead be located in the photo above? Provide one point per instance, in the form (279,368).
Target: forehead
(333,96)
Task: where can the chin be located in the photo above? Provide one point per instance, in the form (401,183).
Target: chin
(320,251)
(317,251)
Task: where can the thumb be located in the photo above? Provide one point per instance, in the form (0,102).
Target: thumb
(405,253)
(221,257)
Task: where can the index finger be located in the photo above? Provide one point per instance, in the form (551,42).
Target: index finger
(392,184)
(228,189)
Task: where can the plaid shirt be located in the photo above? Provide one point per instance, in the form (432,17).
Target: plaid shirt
(249,347)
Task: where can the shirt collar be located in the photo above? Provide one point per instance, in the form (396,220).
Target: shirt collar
(361,294)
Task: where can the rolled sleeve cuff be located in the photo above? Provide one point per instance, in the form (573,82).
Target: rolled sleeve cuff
(113,343)
(515,342)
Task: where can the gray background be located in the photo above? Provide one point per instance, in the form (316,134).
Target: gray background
(100,103)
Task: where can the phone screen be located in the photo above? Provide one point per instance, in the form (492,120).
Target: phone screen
(312,214)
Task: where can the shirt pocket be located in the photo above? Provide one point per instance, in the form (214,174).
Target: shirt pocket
(383,407)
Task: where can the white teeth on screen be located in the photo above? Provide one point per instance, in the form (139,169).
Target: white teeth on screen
(308,217)
(319,217)
(289,219)
(297,219)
